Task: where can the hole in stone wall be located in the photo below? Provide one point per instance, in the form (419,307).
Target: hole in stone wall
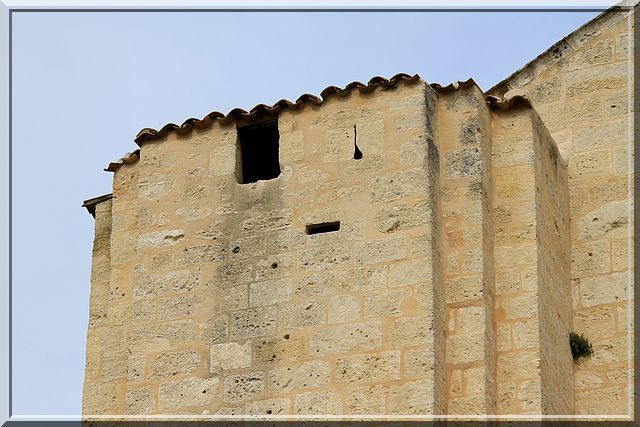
(258,152)
(357,154)
(324,227)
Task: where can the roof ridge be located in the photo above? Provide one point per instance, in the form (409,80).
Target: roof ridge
(147,134)
(558,50)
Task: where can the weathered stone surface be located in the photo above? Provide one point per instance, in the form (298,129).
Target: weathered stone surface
(301,315)
(462,163)
(285,349)
(277,406)
(325,257)
(242,387)
(139,401)
(163,284)
(385,303)
(156,186)
(214,330)
(345,339)
(377,251)
(254,322)
(411,398)
(270,292)
(222,160)
(362,278)
(230,356)
(411,332)
(157,239)
(201,254)
(390,187)
(174,363)
(319,403)
(365,401)
(268,221)
(299,377)
(161,336)
(402,217)
(370,368)
(343,308)
(189,392)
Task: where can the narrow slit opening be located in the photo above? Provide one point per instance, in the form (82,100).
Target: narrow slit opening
(324,227)
(357,154)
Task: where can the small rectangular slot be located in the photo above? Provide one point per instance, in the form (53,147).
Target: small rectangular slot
(324,227)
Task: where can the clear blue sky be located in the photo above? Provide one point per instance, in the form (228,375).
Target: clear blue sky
(85,83)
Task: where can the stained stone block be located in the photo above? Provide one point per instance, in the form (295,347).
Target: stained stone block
(299,377)
(189,392)
(242,387)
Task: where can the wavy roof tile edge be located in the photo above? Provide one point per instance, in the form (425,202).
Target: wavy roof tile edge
(148,134)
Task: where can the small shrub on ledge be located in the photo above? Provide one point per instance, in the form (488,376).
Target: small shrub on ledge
(580,346)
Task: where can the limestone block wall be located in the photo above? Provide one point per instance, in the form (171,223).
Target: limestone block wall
(446,289)
(533,304)
(582,90)
(464,136)
(220,303)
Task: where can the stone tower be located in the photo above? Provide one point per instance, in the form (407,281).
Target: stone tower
(397,248)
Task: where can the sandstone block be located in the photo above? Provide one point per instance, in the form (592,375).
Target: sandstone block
(385,303)
(155,185)
(301,315)
(365,401)
(270,292)
(465,348)
(277,406)
(214,330)
(362,278)
(254,322)
(407,273)
(291,146)
(174,363)
(314,286)
(393,186)
(201,254)
(345,339)
(411,332)
(325,257)
(222,160)
(167,283)
(411,398)
(377,251)
(189,392)
(343,308)
(369,368)
(158,239)
(319,403)
(402,217)
(230,356)
(279,350)
(139,401)
(271,220)
(299,377)
(274,266)
(419,362)
(603,289)
(462,163)
(242,387)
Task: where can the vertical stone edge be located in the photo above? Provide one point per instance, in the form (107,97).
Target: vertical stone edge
(437,265)
(554,282)
(488,267)
(100,283)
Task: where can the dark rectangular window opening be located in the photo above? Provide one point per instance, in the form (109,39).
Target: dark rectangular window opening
(259,152)
(324,227)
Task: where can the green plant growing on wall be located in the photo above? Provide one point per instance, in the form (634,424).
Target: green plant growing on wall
(580,346)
